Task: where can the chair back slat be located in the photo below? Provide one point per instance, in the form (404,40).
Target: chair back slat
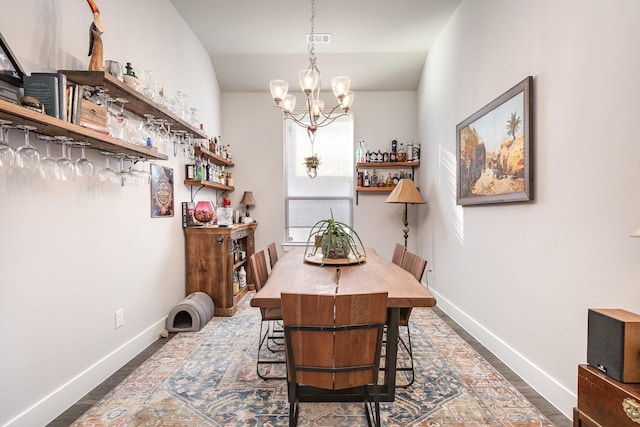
(273,254)
(258,265)
(414,264)
(398,254)
(309,348)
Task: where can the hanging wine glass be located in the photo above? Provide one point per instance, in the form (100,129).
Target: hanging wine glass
(145,176)
(107,174)
(84,166)
(28,156)
(121,119)
(134,174)
(48,165)
(66,166)
(7,153)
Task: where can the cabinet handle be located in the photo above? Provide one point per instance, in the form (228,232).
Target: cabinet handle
(632,409)
(219,239)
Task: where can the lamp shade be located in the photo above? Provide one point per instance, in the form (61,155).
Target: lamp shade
(636,233)
(247,199)
(405,192)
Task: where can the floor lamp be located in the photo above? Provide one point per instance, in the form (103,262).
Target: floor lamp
(405,192)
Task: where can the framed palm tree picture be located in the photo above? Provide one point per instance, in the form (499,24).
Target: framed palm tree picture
(493,150)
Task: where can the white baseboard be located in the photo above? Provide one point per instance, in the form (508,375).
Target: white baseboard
(554,392)
(59,400)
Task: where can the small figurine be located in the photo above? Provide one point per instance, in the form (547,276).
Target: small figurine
(95,40)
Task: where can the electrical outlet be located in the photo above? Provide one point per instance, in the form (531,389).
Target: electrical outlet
(119,318)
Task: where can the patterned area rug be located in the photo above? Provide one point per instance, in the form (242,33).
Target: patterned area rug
(208,378)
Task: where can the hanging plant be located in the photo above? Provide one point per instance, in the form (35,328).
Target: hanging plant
(312,163)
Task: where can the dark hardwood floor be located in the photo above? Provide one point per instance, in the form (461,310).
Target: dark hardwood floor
(80,407)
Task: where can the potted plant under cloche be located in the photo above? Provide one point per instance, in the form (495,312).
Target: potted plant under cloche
(338,241)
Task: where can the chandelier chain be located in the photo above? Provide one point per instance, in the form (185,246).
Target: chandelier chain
(312,50)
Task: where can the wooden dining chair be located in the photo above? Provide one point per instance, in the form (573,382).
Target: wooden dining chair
(398,254)
(271,337)
(415,265)
(333,342)
(273,254)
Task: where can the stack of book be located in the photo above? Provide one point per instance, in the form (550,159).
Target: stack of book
(65,100)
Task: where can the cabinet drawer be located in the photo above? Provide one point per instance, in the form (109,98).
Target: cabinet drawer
(604,399)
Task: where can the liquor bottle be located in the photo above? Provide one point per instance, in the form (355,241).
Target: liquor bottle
(367,157)
(401,156)
(242,277)
(392,157)
(236,283)
(394,146)
(374,179)
(395,179)
(385,156)
(363,151)
(366,182)
(410,152)
(389,181)
(360,179)
(379,156)
(189,172)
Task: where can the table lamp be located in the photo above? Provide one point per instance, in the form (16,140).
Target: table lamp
(405,192)
(247,200)
(635,233)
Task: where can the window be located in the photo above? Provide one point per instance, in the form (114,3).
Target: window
(310,200)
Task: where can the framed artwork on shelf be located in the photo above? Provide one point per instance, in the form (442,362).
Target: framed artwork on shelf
(161,191)
(493,150)
(10,69)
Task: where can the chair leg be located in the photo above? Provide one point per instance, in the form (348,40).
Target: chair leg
(410,368)
(293,414)
(262,341)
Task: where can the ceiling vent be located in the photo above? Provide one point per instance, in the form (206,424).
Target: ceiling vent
(319,38)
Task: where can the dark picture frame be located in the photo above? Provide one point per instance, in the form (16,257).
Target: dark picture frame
(493,150)
(162,203)
(10,69)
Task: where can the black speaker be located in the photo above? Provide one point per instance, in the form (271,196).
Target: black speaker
(613,344)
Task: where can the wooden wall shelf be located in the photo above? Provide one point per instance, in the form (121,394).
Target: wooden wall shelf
(396,165)
(138,103)
(213,157)
(208,184)
(375,189)
(49,125)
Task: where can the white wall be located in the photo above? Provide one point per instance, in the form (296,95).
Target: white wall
(253,126)
(521,277)
(74,253)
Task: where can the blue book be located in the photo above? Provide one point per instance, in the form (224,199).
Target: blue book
(45,89)
(62,93)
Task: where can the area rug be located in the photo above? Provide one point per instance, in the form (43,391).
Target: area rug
(208,378)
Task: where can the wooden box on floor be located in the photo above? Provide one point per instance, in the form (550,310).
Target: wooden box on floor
(605,402)
(210,263)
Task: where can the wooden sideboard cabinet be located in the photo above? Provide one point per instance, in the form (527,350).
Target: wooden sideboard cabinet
(605,402)
(210,263)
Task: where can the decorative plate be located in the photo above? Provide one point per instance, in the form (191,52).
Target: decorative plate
(317,259)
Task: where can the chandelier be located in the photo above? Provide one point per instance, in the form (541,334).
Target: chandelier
(313,115)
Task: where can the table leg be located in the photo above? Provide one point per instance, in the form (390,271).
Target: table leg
(391,356)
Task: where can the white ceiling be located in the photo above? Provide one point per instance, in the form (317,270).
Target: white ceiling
(380,44)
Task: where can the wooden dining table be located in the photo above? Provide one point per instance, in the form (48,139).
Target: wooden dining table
(295,274)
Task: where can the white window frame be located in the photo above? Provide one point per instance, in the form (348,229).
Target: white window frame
(335,173)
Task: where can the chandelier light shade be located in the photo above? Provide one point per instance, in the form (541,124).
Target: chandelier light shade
(405,192)
(312,115)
